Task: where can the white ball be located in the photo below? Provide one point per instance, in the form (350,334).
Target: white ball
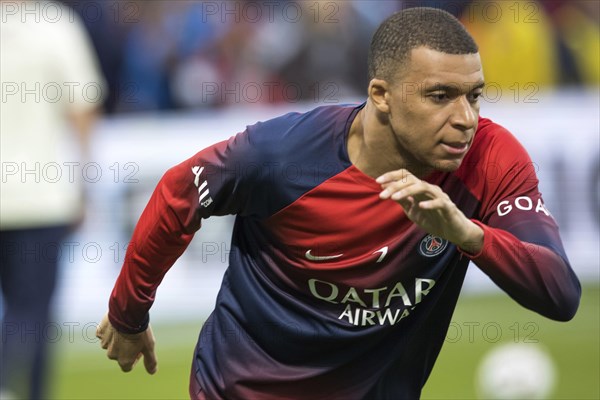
(516,371)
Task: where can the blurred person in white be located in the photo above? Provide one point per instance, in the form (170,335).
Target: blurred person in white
(51,94)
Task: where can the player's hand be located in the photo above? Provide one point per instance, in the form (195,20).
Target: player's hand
(429,207)
(127,349)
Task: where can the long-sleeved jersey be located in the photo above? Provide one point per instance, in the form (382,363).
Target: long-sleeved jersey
(332,292)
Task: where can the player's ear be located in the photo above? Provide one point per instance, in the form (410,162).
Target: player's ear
(379,95)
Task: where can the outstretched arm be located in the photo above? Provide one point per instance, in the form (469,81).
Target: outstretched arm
(199,187)
(522,254)
(162,233)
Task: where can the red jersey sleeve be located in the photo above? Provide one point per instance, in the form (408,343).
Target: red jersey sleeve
(522,251)
(209,183)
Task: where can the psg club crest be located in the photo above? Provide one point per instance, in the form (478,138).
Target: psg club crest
(432,246)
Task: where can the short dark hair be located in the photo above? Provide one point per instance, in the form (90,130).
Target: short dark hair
(412,28)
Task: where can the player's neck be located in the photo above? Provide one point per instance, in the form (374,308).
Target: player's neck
(369,149)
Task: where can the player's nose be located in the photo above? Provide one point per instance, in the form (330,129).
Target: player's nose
(464,114)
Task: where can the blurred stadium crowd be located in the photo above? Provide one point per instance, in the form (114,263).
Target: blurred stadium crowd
(162,55)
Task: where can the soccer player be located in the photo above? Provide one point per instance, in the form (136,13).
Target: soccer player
(355,226)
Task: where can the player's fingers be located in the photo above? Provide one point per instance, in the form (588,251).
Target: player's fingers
(401,181)
(137,358)
(105,337)
(120,350)
(105,332)
(105,340)
(102,327)
(150,361)
(420,190)
(111,352)
(397,175)
(393,187)
(432,204)
(438,200)
(126,364)
(396,186)
(407,204)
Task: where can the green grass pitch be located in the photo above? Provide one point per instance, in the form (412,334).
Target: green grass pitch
(81,370)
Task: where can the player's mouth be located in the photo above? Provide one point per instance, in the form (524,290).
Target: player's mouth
(455,148)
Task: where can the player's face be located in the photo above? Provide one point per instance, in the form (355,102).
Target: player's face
(434,108)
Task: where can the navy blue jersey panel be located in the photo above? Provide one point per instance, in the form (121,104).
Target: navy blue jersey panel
(293,154)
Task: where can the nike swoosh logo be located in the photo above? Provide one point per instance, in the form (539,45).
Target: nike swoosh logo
(320,258)
(383,252)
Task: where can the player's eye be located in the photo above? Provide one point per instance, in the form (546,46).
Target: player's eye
(474,97)
(439,97)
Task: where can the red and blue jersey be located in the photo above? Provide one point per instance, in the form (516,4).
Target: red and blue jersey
(332,292)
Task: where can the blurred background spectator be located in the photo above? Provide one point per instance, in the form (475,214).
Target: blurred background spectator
(51,96)
(162,55)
